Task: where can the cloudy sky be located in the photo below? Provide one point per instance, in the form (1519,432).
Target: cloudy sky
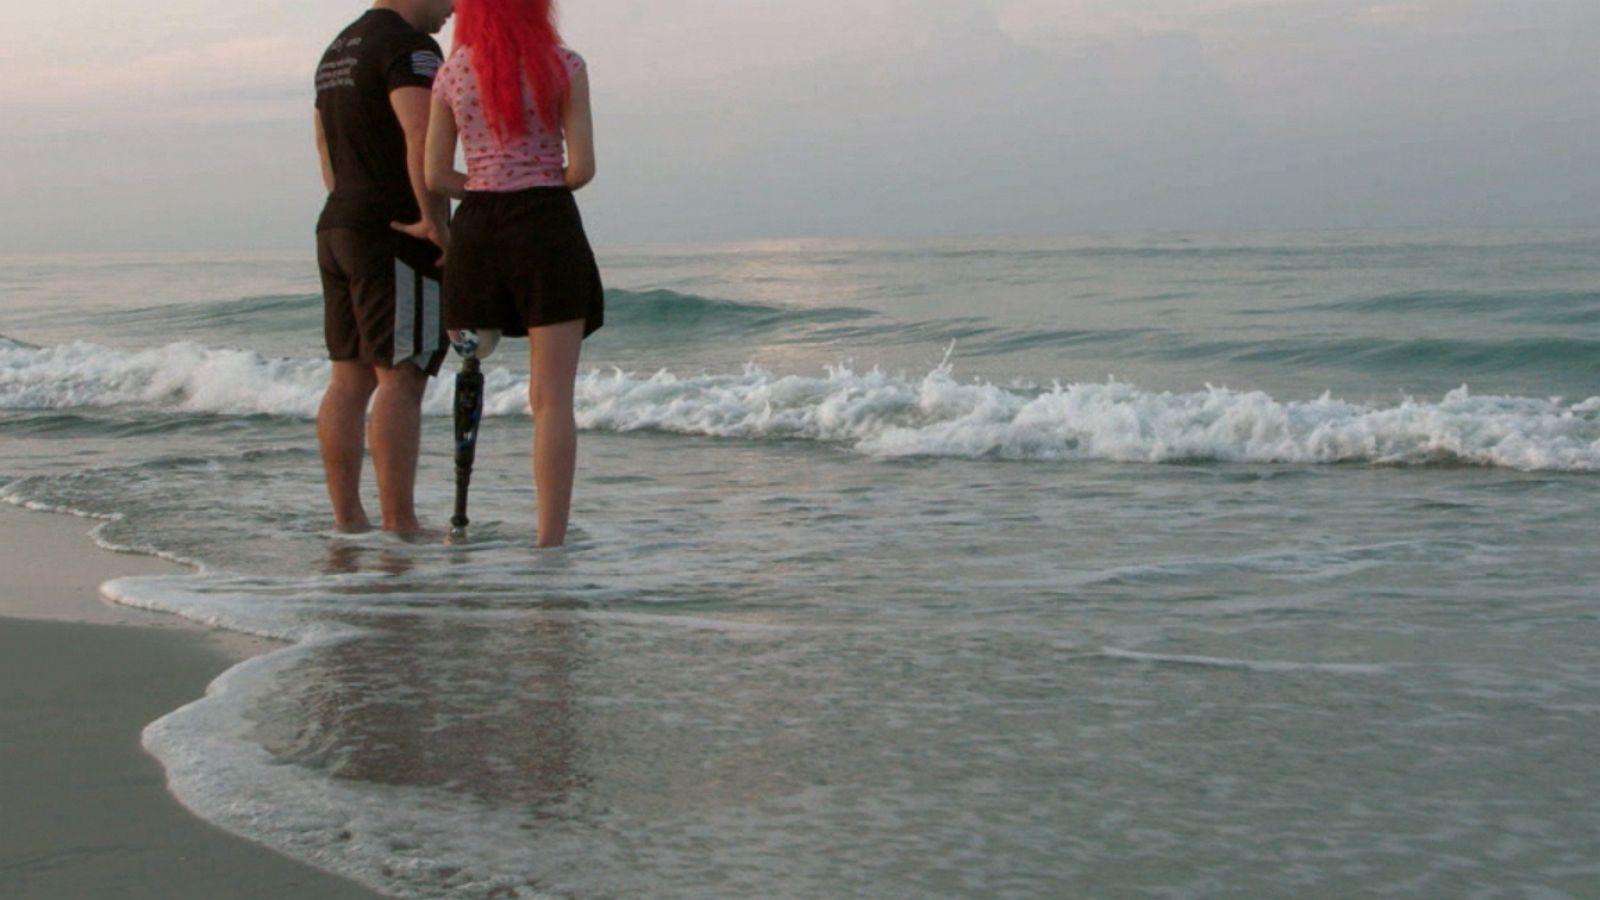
(185,125)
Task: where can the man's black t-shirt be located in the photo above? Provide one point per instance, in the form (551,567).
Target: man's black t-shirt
(378,53)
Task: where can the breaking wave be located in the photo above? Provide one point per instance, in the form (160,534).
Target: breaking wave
(876,413)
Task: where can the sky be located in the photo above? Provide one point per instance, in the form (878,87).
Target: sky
(186,125)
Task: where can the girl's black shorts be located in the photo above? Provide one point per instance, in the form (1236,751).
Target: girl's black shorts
(519,260)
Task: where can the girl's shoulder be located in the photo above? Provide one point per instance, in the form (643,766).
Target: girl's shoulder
(458,62)
(570,58)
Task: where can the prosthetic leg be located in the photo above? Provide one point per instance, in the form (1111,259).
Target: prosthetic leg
(473,346)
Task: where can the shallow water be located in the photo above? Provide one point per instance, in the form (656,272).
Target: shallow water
(879,585)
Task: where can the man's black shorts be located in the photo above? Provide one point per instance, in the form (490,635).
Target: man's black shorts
(380,295)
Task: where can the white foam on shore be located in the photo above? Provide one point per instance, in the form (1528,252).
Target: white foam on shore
(879,414)
(404,840)
(1254,665)
(388,838)
(96,534)
(208,603)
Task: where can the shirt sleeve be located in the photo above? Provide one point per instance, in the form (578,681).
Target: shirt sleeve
(571,60)
(413,63)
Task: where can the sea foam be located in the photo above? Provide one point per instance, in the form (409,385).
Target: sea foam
(877,413)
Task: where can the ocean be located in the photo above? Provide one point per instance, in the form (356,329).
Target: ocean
(1116,566)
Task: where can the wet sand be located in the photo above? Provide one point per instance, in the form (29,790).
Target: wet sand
(84,811)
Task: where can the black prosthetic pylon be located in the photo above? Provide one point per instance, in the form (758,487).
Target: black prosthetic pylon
(468,413)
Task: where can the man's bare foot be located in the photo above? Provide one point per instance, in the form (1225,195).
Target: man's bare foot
(359,526)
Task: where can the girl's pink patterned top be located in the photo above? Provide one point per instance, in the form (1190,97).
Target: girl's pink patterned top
(534,160)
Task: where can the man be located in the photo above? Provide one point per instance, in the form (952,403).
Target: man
(380,241)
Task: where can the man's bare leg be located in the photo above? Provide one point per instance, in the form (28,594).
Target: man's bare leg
(341,419)
(395,433)
(553,367)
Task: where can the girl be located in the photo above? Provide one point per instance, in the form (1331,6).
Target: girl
(519,261)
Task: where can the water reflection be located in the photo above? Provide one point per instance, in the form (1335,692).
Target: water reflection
(426,699)
(346,558)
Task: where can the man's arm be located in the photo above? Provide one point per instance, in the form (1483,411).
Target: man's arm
(322,150)
(411,108)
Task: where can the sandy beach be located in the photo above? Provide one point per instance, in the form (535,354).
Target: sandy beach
(85,810)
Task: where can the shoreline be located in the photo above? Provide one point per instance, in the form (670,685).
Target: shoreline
(53,570)
(86,810)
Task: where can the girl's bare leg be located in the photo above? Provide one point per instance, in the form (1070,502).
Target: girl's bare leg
(553,370)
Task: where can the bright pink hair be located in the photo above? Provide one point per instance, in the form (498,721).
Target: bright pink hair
(513,43)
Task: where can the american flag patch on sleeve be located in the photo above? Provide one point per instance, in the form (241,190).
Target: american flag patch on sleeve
(425,63)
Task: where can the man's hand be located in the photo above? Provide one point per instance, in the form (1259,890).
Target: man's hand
(436,233)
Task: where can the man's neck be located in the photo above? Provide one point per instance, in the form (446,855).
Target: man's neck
(403,8)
